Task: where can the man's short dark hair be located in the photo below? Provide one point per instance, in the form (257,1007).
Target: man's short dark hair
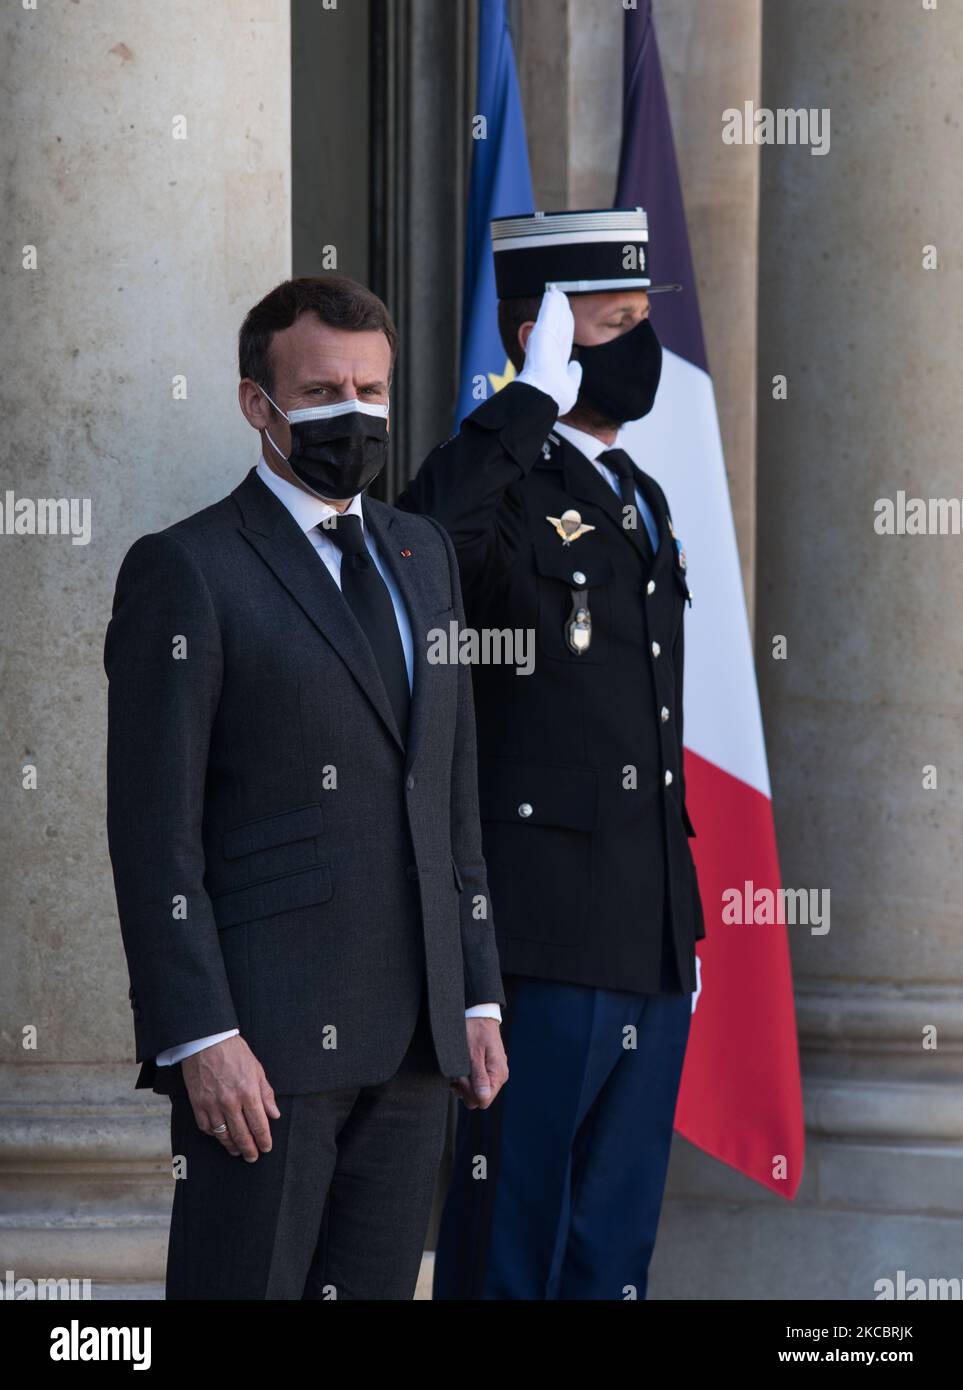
(336,299)
(512,313)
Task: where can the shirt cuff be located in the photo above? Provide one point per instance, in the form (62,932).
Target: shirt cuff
(484,1011)
(182,1050)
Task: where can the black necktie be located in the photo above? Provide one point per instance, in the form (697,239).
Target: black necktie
(621,465)
(366,594)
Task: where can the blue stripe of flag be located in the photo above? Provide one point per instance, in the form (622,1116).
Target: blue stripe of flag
(501,184)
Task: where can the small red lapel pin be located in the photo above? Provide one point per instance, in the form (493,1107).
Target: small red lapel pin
(406,554)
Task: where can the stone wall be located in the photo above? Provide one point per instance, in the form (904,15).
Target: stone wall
(147,161)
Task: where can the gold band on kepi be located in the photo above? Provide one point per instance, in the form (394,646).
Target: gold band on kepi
(579,252)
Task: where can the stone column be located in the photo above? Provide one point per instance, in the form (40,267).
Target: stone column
(870,695)
(147,201)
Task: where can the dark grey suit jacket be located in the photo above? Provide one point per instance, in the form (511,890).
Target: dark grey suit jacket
(282,864)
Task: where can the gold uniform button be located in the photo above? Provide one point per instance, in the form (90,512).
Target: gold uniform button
(656,649)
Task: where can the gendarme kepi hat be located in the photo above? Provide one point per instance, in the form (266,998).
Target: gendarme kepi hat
(579,252)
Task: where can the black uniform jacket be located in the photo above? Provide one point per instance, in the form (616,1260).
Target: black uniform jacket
(581,781)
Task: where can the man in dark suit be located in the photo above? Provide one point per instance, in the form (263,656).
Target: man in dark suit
(293,827)
(581,774)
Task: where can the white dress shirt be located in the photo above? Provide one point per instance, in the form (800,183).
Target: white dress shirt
(591,447)
(309,511)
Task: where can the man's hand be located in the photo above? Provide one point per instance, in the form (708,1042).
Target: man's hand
(227,1085)
(489,1065)
(547,366)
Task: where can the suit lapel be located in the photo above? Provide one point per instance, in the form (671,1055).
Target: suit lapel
(393,533)
(274,534)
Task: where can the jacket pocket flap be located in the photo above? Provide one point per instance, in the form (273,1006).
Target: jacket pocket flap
(273,896)
(537,794)
(558,561)
(299,824)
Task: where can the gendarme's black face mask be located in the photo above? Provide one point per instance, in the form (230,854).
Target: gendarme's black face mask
(336,450)
(620,377)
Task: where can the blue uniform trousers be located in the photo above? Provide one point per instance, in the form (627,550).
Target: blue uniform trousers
(557,1187)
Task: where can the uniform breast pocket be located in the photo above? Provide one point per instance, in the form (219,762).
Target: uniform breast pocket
(562,572)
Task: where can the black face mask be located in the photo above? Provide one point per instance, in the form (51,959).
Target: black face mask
(620,377)
(337,451)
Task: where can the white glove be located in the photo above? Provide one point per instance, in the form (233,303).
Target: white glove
(547,366)
(698,989)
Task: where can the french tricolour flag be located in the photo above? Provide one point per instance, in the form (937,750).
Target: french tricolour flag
(740,1098)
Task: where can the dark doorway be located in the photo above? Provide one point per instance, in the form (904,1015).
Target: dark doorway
(381,148)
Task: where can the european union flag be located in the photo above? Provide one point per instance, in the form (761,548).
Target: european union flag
(501,184)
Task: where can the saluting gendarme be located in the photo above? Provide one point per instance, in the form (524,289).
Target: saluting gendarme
(581,780)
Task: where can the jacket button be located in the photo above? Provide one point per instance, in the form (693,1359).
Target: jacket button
(664,713)
(410,784)
(650,587)
(578,577)
(668,779)
(656,649)
(525,810)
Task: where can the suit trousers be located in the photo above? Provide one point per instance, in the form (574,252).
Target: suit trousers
(557,1188)
(338,1209)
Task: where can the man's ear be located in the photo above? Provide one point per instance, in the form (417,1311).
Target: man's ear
(254,406)
(524,333)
